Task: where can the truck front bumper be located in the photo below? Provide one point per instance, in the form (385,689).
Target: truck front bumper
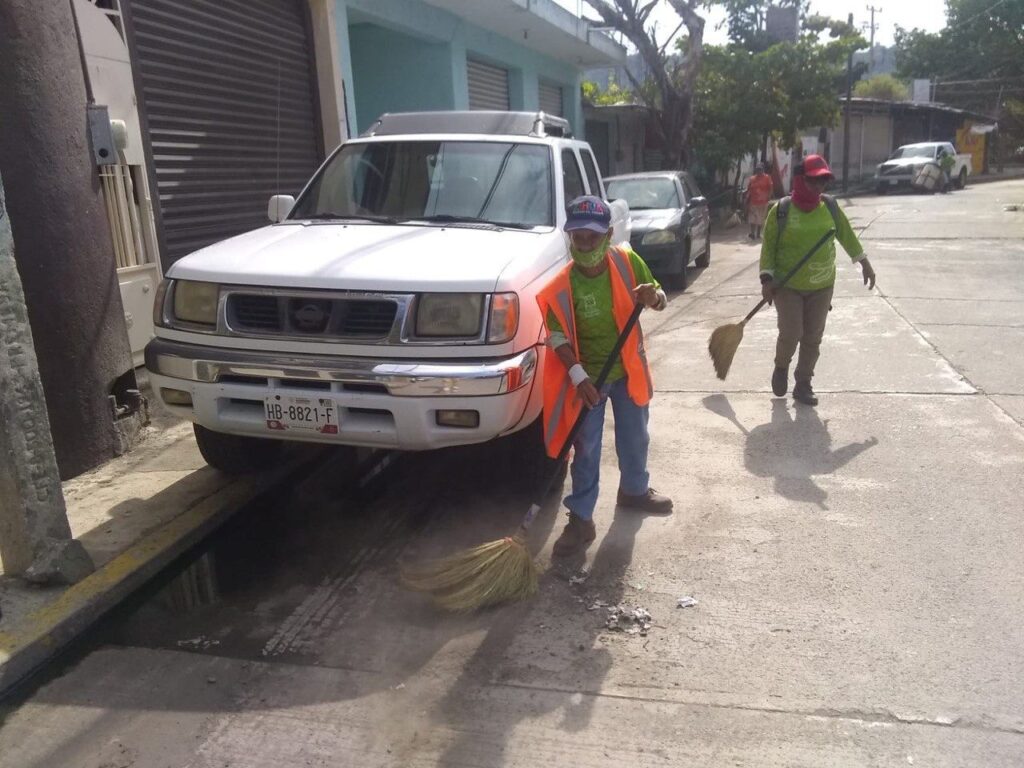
(381,403)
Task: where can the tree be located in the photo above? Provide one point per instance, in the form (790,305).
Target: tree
(884,87)
(746,95)
(673,78)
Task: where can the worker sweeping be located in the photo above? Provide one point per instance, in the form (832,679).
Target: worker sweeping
(803,303)
(584,307)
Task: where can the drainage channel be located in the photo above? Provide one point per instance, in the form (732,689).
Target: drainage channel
(246,546)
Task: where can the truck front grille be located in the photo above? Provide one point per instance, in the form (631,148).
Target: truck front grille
(361,318)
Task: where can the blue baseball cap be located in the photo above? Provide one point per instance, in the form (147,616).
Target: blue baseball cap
(588,212)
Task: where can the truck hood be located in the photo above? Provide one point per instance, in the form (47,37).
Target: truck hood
(907,162)
(369,257)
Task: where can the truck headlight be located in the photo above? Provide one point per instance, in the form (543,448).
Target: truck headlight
(504,320)
(449,315)
(196,302)
(660,237)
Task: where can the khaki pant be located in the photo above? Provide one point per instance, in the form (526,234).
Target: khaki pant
(802,316)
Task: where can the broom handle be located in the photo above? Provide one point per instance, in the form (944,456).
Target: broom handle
(606,369)
(806,257)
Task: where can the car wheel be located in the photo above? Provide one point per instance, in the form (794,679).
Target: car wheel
(236,454)
(704,259)
(961,180)
(881,189)
(677,281)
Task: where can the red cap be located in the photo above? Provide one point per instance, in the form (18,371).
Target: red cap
(816,167)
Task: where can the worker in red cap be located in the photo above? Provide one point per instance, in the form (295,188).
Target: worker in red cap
(793,226)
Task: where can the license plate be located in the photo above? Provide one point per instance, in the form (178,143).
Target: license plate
(307,414)
(893,182)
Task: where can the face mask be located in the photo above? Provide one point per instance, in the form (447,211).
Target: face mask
(589,258)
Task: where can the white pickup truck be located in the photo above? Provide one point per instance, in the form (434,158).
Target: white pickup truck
(905,166)
(391,305)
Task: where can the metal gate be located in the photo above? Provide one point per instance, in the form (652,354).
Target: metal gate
(228,100)
(551,98)
(488,86)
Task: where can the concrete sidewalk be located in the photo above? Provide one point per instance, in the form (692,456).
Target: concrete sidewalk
(134,515)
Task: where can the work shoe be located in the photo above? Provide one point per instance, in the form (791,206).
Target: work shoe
(576,537)
(652,501)
(803,393)
(780,382)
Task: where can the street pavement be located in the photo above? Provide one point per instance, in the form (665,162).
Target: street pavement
(858,568)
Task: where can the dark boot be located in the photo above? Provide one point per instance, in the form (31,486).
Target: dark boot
(651,502)
(803,393)
(780,381)
(576,537)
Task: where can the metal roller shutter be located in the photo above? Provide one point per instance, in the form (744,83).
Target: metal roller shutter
(488,86)
(551,98)
(227,88)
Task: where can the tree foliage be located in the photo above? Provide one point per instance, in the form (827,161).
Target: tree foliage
(613,94)
(884,87)
(746,94)
(977,60)
(747,20)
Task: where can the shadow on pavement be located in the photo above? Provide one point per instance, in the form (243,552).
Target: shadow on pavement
(793,448)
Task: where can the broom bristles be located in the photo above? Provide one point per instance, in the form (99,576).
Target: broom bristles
(722,346)
(485,575)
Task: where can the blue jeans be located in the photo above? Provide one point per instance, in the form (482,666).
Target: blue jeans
(631,442)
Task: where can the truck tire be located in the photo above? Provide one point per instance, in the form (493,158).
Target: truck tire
(961,179)
(235,454)
(529,460)
(881,189)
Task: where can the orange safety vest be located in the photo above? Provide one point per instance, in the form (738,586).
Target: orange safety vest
(561,405)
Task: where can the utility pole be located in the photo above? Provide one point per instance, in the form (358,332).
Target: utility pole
(872,27)
(846,114)
(35,537)
(61,236)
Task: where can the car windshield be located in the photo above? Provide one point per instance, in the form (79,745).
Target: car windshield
(448,181)
(641,194)
(914,152)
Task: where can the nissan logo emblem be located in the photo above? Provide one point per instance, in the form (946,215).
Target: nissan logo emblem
(309,316)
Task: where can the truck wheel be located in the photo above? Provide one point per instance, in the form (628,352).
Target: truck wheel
(704,259)
(881,189)
(961,179)
(235,454)
(529,459)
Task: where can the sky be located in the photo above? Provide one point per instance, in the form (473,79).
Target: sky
(929,15)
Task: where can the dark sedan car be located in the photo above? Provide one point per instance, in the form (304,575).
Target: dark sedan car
(671,221)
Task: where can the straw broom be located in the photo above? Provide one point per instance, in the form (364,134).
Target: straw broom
(725,339)
(501,570)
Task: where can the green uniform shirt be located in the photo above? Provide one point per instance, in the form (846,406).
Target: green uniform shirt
(596,330)
(802,231)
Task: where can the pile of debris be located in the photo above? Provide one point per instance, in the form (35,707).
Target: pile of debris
(632,621)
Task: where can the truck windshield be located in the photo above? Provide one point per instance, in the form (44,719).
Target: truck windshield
(502,183)
(642,194)
(914,152)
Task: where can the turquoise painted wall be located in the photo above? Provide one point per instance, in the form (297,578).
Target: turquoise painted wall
(398,73)
(407,55)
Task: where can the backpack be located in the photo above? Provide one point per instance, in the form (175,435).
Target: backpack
(782,213)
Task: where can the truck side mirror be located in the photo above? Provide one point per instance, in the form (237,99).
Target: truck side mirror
(279,207)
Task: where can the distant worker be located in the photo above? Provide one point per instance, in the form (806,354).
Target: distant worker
(803,304)
(946,163)
(759,195)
